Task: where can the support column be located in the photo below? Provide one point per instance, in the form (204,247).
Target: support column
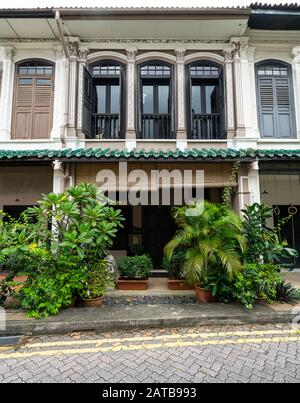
(82,62)
(296,79)
(230,118)
(6,92)
(73,71)
(130,113)
(58,177)
(59,95)
(244,95)
(253,183)
(181,134)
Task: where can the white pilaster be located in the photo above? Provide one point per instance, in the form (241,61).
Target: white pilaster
(59,95)
(82,62)
(130,114)
(181,135)
(6,56)
(73,70)
(58,177)
(229,96)
(296,82)
(244,95)
(253,183)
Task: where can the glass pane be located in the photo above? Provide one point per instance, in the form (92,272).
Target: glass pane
(114,99)
(25,81)
(196,99)
(211,98)
(147,99)
(43,81)
(101,98)
(163,99)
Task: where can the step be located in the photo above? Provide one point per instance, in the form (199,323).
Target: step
(159,273)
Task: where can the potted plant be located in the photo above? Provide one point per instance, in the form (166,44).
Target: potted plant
(98,277)
(212,237)
(174,267)
(134,272)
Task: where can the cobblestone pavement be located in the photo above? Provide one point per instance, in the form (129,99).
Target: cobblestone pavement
(269,353)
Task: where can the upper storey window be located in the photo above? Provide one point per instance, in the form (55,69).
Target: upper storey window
(156,105)
(205,101)
(33,100)
(275,100)
(103,106)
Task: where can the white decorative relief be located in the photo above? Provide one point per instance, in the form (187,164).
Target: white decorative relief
(6,55)
(131,55)
(296,76)
(180,53)
(229,89)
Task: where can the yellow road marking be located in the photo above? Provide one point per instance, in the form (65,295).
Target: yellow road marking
(162,337)
(149,346)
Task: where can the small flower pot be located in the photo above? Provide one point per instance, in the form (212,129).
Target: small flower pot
(177,285)
(134,284)
(92,302)
(203,295)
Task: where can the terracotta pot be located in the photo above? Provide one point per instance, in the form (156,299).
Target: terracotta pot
(203,295)
(92,302)
(179,285)
(137,285)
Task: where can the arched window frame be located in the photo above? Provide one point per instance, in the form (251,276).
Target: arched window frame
(220,131)
(92,78)
(170,134)
(276,63)
(37,76)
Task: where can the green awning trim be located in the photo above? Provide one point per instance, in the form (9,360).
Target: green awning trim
(106,153)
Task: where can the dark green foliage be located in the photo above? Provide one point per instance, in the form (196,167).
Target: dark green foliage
(263,244)
(175,265)
(97,280)
(135,267)
(286,293)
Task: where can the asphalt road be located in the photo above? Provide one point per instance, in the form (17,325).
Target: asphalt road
(269,353)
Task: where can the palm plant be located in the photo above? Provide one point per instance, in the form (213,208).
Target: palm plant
(213,240)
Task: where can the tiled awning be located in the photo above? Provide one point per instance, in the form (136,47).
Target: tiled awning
(115,153)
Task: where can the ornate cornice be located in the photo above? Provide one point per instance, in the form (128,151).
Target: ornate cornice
(150,40)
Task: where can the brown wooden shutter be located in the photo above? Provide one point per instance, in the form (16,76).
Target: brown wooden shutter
(33,105)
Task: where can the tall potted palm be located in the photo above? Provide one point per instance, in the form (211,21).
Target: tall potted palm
(213,240)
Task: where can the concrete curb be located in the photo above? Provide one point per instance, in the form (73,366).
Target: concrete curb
(147,316)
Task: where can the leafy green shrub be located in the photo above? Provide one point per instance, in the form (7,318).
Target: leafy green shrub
(175,265)
(98,278)
(286,293)
(256,281)
(212,237)
(135,267)
(46,294)
(263,244)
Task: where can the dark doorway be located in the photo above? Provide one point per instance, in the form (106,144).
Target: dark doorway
(158,229)
(14,211)
(290,231)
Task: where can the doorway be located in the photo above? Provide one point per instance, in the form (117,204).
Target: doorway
(158,229)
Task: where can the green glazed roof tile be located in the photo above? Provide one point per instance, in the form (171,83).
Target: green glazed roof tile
(106,153)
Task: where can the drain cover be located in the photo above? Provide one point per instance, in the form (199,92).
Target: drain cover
(9,340)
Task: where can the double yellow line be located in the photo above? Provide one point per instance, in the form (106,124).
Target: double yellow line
(163,341)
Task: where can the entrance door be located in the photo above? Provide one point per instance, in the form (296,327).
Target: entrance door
(158,229)
(290,231)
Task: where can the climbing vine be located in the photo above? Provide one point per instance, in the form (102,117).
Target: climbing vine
(228,190)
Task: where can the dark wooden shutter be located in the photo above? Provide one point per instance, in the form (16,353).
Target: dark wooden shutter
(87,103)
(283,106)
(267,107)
(221,102)
(276,115)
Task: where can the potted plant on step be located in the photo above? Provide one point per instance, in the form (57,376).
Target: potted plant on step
(98,278)
(174,267)
(212,237)
(134,272)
